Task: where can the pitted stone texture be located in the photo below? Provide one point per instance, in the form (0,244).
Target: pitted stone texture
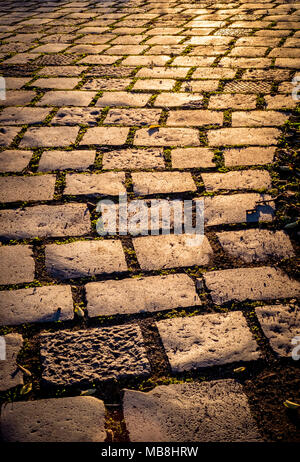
(23,115)
(256,245)
(45,221)
(75,419)
(16,264)
(258,119)
(77,115)
(163,182)
(249,156)
(67,98)
(171,251)
(192,158)
(100,354)
(216,411)
(7,134)
(30,188)
(37,304)
(246,179)
(238,208)
(131,117)
(14,161)
(106,84)
(123,98)
(64,160)
(242,86)
(199,341)
(49,136)
(194,118)
(235,101)
(110,71)
(112,136)
(109,183)
(281,324)
(85,258)
(10,374)
(150,294)
(263,283)
(178,99)
(133,159)
(239,136)
(167,137)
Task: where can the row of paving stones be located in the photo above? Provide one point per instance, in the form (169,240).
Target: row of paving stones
(54,303)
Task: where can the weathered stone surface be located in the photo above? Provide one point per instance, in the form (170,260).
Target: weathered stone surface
(67,98)
(237,208)
(49,136)
(105,135)
(155,84)
(16,264)
(7,134)
(171,251)
(64,160)
(131,117)
(123,98)
(89,355)
(133,159)
(249,156)
(166,99)
(106,84)
(75,419)
(153,293)
(23,115)
(30,188)
(216,411)
(14,161)
(194,118)
(258,119)
(263,283)
(10,374)
(239,136)
(38,304)
(109,183)
(199,341)
(281,324)
(237,101)
(256,245)
(45,221)
(245,179)
(192,158)
(85,258)
(77,115)
(57,83)
(166,137)
(162,182)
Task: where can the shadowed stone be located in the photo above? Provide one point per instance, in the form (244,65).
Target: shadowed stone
(10,374)
(14,161)
(7,134)
(263,283)
(75,419)
(38,304)
(215,411)
(85,258)
(99,354)
(281,324)
(153,293)
(16,264)
(200,341)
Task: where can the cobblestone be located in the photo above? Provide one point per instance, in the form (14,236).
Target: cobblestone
(10,374)
(16,264)
(31,188)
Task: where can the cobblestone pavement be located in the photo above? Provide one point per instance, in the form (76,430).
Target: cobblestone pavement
(163,100)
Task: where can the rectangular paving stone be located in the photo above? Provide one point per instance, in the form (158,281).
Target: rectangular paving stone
(192,158)
(236,101)
(14,161)
(194,118)
(85,258)
(29,188)
(23,115)
(109,183)
(76,116)
(249,156)
(162,182)
(244,63)
(191,61)
(149,294)
(258,119)
(245,179)
(166,137)
(133,159)
(49,136)
(57,83)
(10,374)
(213,73)
(37,304)
(7,135)
(112,136)
(67,98)
(172,251)
(90,355)
(207,340)
(163,72)
(238,208)
(16,264)
(18,97)
(123,98)
(256,245)
(263,283)
(239,136)
(150,60)
(81,417)
(45,221)
(280,324)
(106,84)
(64,160)
(187,100)
(133,117)
(154,84)
(214,411)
